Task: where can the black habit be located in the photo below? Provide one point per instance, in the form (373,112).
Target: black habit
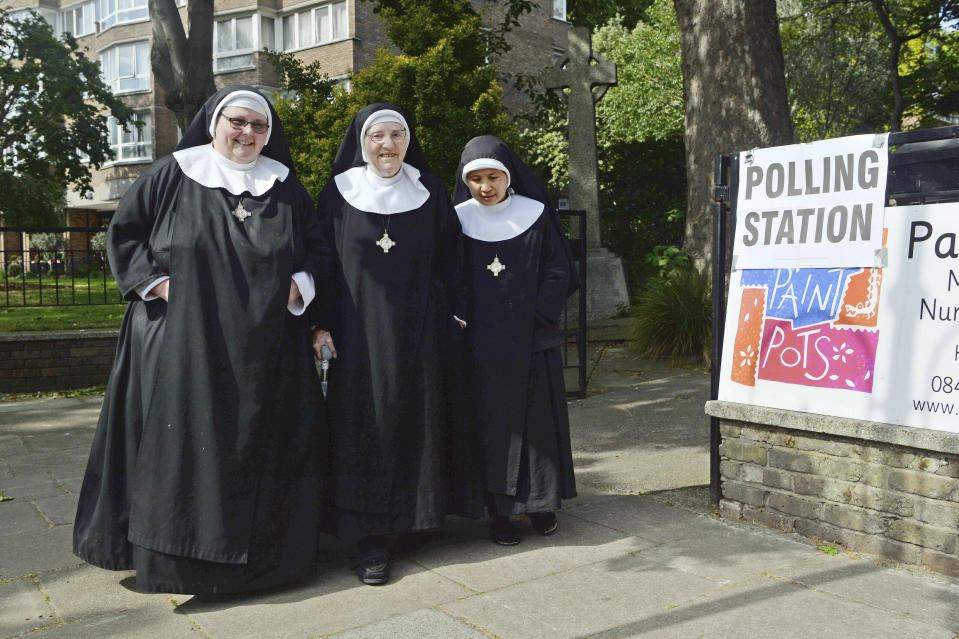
(512,345)
(206,468)
(390,323)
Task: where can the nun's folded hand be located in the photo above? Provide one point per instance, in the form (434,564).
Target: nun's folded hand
(162,290)
(294,292)
(322,338)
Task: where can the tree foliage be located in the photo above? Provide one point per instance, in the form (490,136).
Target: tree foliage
(835,69)
(910,42)
(596,13)
(442,81)
(52,130)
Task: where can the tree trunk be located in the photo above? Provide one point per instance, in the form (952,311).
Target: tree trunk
(736,100)
(182,64)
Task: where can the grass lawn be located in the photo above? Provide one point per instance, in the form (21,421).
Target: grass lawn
(61,318)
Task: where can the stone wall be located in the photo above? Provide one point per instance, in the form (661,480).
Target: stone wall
(61,360)
(877,488)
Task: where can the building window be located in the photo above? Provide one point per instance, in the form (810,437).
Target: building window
(559,10)
(121,11)
(234,44)
(126,67)
(78,20)
(131,142)
(559,55)
(319,25)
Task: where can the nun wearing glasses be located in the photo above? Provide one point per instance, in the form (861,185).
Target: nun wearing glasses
(205,472)
(396,240)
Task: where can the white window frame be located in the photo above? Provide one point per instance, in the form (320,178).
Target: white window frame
(112,16)
(142,142)
(294,22)
(559,10)
(68,22)
(218,55)
(114,81)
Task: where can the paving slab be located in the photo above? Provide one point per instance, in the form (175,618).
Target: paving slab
(582,601)
(58,510)
(24,608)
(35,484)
(86,592)
(728,553)
(766,607)
(469,558)
(29,553)
(420,624)
(904,591)
(642,516)
(334,602)
(20,516)
(129,623)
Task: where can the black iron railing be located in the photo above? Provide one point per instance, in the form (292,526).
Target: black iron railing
(574,315)
(72,272)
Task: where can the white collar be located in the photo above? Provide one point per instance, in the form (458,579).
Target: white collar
(501,221)
(205,165)
(367,191)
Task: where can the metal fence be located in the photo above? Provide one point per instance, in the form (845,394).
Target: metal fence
(71,273)
(574,314)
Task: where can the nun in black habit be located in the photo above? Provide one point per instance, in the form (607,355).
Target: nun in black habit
(396,240)
(520,274)
(205,472)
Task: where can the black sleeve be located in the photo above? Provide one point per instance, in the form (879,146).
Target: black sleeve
(554,276)
(326,262)
(132,259)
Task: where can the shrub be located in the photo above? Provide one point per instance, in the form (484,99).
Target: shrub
(46,241)
(14,269)
(99,241)
(672,316)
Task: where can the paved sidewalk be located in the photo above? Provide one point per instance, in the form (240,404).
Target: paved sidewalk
(638,553)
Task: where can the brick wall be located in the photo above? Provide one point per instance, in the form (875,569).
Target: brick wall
(862,487)
(61,360)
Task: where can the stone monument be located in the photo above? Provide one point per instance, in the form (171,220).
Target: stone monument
(581,71)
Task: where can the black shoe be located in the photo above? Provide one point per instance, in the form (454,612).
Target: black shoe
(373,567)
(501,531)
(544,523)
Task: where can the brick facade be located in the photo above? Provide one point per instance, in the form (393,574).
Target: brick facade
(59,360)
(876,488)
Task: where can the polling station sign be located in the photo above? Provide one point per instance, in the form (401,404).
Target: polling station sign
(879,344)
(812,205)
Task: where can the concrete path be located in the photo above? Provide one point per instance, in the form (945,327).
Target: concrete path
(638,554)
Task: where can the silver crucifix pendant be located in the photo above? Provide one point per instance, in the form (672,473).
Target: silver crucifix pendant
(241,213)
(496,266)
(385,242)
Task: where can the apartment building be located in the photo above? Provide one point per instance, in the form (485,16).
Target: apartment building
(343,35)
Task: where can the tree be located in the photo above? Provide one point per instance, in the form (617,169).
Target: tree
(52,130)
(735,96)
(442,81)
(835,66)
(183,64)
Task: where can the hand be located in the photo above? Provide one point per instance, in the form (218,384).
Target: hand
(162,290)
(460,322)
(322,338)
(294,292)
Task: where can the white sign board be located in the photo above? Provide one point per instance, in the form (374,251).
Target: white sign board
(811,205)
(865,343)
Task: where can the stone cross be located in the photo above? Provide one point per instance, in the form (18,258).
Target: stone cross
(578,72)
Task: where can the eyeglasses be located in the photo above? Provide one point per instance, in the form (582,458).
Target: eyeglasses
(396,136)
(239,124)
